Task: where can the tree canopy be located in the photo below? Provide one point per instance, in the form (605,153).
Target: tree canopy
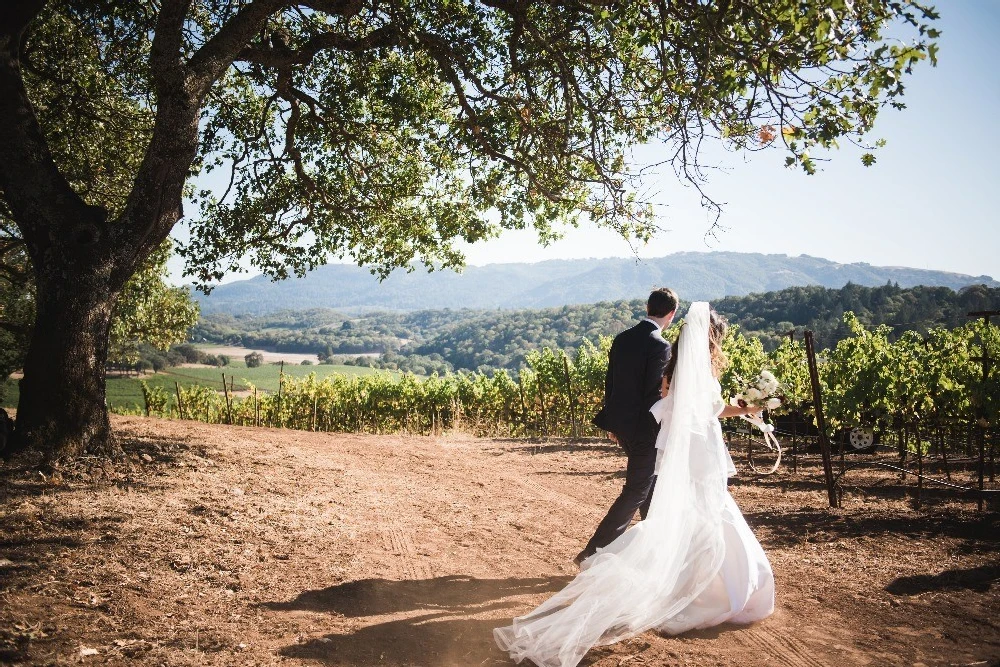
(385,132)
(388,131)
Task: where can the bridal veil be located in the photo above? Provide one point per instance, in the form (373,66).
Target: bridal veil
(671,571)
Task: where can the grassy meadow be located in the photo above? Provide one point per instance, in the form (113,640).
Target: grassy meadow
(126,392)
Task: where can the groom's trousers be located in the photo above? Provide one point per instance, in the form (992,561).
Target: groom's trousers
(635,495)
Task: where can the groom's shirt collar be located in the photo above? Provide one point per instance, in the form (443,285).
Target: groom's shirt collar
(653,322)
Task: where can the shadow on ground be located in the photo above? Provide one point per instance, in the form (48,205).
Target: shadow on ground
(376,597)
(39,516)
(441,630)
(788,528)
(976,579)
(554,445)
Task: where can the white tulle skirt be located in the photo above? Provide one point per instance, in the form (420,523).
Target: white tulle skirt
(562,630)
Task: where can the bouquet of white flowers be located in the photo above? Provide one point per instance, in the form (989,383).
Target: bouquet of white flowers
(763,392)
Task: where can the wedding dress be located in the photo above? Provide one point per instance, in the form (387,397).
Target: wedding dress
(692,563)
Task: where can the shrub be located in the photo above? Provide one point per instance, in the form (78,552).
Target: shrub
(175,358)
(191,354)
(157,362)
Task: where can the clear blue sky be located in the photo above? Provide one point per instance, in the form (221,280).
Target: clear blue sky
(931,201)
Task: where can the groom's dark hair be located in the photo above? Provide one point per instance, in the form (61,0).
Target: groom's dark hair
(661,302)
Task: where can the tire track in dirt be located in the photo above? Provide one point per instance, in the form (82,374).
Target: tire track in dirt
(399,542)
(553,496)
(785,650)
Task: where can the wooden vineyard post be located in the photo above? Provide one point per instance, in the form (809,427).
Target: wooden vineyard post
(981,422)
(315,403)
(229,402)
(901,445)
(993,458)
(281,381)
(943,451)
(981,438)
(824,443)
(570,398)
(524,406)
(795,441)
(256,408)
(843,444)
(541,402)
(920,465)
(180,403)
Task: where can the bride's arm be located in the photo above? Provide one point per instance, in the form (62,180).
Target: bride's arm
(727,411)
(737,411)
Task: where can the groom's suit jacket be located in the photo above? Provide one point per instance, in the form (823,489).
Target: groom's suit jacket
(636,363)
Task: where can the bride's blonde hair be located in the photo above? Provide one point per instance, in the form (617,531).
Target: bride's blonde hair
(717,328)
(716,334)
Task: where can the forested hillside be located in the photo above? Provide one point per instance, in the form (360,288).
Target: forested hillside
(770,315)
(439,340)
(695,275)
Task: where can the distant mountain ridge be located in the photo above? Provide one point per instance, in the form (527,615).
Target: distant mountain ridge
(695,276)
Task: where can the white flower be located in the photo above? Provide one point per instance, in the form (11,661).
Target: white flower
(768,376)
(773,403)
(753,394)
(735,400)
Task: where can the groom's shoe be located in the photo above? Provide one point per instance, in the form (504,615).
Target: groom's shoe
(582,556)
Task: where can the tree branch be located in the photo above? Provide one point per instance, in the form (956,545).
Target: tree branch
(37,193)
(219,52)
(269,56)
(154,204)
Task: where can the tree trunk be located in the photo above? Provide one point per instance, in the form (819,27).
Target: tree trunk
(81,260)
(62,410)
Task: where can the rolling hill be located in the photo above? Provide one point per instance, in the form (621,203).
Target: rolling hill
(695,275)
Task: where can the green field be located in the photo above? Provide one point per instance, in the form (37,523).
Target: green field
(127,393)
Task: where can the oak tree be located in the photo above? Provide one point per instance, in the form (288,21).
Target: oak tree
(383,132)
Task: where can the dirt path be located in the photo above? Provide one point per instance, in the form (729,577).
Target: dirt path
(238,352)
(255,546)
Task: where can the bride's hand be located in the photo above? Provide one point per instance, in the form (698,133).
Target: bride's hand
(663,387)
(740,411)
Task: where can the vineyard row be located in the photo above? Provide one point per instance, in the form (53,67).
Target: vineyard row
(870,379)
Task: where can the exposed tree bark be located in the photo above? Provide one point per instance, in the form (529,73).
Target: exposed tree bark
(62,409)
(81,260)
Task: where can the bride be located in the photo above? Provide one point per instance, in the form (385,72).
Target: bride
(693,562)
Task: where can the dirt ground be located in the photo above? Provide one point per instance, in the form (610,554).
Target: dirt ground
(243,546)
(240,352)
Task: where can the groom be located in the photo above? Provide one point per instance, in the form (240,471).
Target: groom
(636,363)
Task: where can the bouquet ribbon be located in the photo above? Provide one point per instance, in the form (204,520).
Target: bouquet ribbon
(771,442)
